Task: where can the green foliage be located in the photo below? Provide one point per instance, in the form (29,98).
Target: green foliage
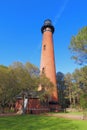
(15,79)
(68,84)
(46,87)
(83,100)
(83,104)
(61,88)
(24,77)
(32,69)
(4,86)
(78,46)
(76,85)
(83,78)
(46,83)
(40,123)
(18,79)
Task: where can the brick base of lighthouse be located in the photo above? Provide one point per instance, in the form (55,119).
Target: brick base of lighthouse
(34,106)
(53,106)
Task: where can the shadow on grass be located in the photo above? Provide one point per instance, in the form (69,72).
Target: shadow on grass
(36,123)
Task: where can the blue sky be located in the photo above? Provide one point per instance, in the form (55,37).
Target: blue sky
(20,34)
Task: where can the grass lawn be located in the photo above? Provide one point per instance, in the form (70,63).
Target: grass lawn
(34,122)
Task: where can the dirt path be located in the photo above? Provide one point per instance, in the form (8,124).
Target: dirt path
(77,117)
(69,116)
(8,114)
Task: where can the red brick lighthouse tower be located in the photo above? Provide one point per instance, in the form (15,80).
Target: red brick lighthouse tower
(47,57)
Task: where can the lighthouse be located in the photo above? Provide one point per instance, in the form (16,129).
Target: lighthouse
(32,104)
(47,65)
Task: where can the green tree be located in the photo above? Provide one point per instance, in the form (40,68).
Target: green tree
(73,87)
(45,88)
(61,88)
(83,79)
(83,104)
(76,75)
(14,80)
(83,100)
(68,90)
(13,84)
(32,69)
(4,86)
(78,46)
(24,78)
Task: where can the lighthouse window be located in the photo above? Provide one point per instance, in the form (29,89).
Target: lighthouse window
(44,47)
(43,70)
